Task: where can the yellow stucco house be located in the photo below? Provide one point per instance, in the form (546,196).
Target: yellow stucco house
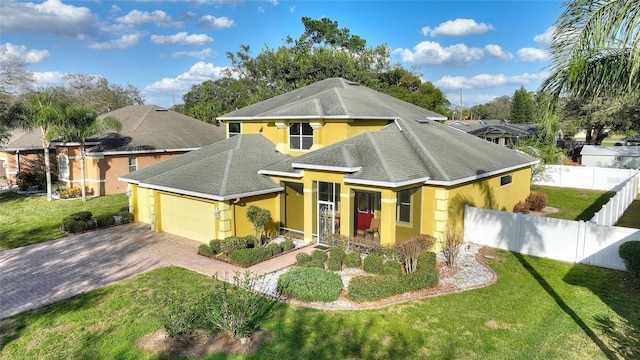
(332,157)
(150,134)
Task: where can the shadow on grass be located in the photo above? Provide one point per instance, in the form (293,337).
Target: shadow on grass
(618,291)
(589,212)
(565,307)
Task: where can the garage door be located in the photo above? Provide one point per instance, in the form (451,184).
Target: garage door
(142,209)
(187,217)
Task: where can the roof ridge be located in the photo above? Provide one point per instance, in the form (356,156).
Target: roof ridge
(418,145)
(142,118)
(378,151)
(341,101)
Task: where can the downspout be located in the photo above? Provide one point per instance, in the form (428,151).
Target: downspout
(233,203)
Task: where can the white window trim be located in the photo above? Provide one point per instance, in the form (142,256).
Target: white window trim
(399,204)
(300,136)
(65,160)
(136,163)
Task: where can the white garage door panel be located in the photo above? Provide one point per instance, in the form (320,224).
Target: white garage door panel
(188,218)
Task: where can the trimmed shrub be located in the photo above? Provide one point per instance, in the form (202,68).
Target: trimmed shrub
(205,250)
(372,264)
(104,221)
(274,248)
(410,250)
(537,200)
(250,256)
(91,224)
(392,268)
(232,244)
(336,258)
(82,215)
(126,216)
(303,258)
(287,245)
(371,288)
(319,255)
(315,264)
(630,254)
(521,207)
(76,226)
(250,241)
(215,246)
(310,284)
(353,260)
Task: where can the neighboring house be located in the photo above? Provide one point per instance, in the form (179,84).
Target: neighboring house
(23,153)
(149,135)
(501,134)
(333,156)
(624,157)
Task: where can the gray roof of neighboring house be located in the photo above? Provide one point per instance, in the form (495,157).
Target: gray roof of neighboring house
(333,98)
(610,150)
(410,152)
(221,171)
(516,130)
(145,128)
(151,127)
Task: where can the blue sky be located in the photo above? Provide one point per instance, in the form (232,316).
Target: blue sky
(484,49)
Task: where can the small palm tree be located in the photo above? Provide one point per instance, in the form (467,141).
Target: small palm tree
(79,125)
(41,113)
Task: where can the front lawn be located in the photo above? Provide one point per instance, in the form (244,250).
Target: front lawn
(538,309)
(29,220)
(574,204)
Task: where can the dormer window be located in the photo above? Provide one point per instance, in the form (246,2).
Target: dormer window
(300,136)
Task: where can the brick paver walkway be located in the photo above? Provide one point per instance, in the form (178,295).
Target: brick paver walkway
(41,274)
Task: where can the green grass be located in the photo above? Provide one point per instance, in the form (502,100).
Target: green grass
(613,139)
(631,217)
(29,220)
(574,204)
(538,309)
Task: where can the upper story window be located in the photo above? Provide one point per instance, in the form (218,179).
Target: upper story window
(133,164)
(234,129)
(63,166)
(300,136)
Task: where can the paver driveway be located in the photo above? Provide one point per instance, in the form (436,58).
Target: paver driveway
(41,274)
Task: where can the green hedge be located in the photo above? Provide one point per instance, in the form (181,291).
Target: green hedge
(373,264)
(353,260)
(126,216)
(75,226)
(371,288)
(287,245)
(82,215)
(215,246)
(336,258)
(319,255)
(205,250)
(310,284)
(630,254)
(303,258)
(104,221)
(392,267)
(232,244)
(250,256)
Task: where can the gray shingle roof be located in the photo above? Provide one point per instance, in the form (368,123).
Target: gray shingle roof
(335,98)
(144,128)
(224,170)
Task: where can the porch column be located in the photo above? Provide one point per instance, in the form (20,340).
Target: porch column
(441,216)
(224,222)
(388,217)
(308,206)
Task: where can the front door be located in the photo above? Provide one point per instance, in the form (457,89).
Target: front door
(326,221)
(366,208)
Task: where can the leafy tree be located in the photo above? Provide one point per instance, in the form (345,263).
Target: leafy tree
(79,125)
(404,85)
(498,108)
(522,108)
(97,93)
(259,217)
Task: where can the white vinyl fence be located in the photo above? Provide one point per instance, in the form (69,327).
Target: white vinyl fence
(566,240)
(595,242)
(583,177)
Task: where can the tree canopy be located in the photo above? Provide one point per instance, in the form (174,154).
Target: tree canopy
(522,108)
(322,51)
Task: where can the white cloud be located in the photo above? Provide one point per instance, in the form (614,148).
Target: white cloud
(8,50)
(158,17)
(487,80)
(533,54)
(182,38)
(203,54)
(432,53)
(212,22)
(457,27)
(182,83)
(49,78)
(115,9)
(51,16)
(545,38)
(124,42)
(496,51)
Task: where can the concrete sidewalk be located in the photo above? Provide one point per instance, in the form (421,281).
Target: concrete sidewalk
(41,274)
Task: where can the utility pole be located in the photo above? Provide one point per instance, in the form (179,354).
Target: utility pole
(460,104)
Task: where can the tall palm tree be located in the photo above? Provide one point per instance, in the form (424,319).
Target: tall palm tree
(41,113)
(596,49)
(79,125)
